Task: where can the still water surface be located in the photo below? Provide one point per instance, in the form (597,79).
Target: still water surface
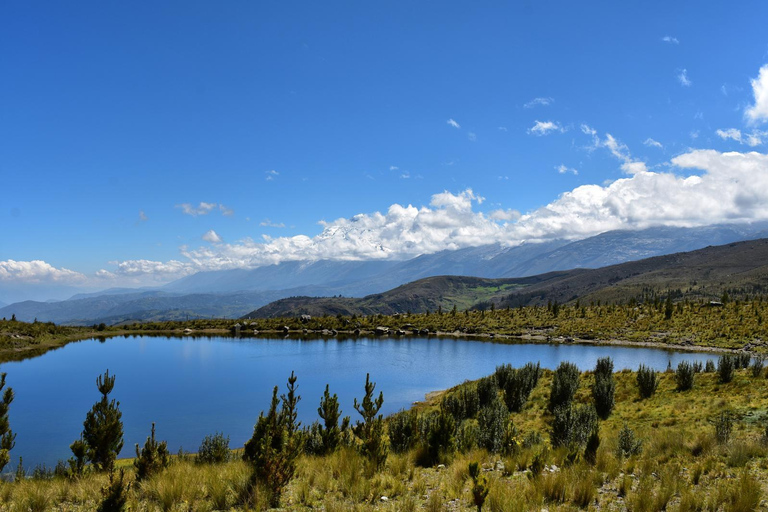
(192,386)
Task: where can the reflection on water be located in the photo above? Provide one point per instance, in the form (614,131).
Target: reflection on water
(195,386)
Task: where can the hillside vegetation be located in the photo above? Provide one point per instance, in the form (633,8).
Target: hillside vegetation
(679,448)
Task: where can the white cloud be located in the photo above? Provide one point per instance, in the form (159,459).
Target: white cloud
(453,123)
(202,209)
(271,175)
(755,138)
(269,224)
(158,270)
(405,175)
(653,143)
(472,136)
(545,128)
(503,128)
(758,112)
(563,169)
(670,39)
(682,77)
(618,149)
(37,271)
(715,188)
(544,101)
(393,168)
(143,216)
(227,212)
(212,237)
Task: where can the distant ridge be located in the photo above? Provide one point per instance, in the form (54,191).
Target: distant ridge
(739,268)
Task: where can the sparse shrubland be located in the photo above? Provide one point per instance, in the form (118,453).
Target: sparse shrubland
(702,449)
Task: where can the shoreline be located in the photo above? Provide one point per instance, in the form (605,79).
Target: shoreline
(31,351)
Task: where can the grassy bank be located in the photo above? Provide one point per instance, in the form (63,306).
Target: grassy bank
(733,325)
(682,461)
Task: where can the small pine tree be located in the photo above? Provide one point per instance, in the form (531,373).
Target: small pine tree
(103,427)
(115,494)
(725,368)
(329,412)
(604,388)
(275,444)
(371,429)
(685,376)
(80,452)
(152,458)
(7,437)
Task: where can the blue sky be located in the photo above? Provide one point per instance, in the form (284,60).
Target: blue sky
(141,142)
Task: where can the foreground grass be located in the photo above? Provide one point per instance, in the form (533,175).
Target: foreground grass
(681,466)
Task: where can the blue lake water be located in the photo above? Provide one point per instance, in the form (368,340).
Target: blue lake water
(195,386)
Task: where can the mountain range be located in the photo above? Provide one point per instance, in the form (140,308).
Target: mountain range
(739,269)
(234,293)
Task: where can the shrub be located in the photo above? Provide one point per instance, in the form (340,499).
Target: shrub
(723,424)
(440,439)
(647,381)
(463,403)
(757,366)
(7,437)
(152,458)
(115,494)
(466,436)
(725,368)
(684,376)
(604,388)
(213,450)
(742,360)
(564,385)
(709,367)
(697,367)
(487,390)
(479,486)
(572,425)
(403,431)
(627,443)
(492,422)
(519,384)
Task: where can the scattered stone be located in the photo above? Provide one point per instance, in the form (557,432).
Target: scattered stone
(441,466)
(384,498)
(380,331)
(286,329)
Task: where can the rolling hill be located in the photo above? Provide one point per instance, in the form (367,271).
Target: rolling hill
(739,268)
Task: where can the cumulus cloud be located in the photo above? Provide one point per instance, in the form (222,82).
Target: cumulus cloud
(618,149)
(202,209)
(543,102)
(37,271)
(545,128)
(564,169)
(212,237)
(227,212)
(453,123)
(269,224)
(701,187)
(682,77)
(670,39)
(653,143)
(758,113)
(755,138)
(158,270)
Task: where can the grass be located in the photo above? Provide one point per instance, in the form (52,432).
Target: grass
(681,467)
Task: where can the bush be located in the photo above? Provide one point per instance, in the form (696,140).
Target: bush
(725,368)
(723,424)
(371,429)
(7,437)
(440,439)
(742,360)
(152,458)
(627,443)
(103,427)
(709,367)
(403,431)
(466,436)
(487,390)
(647,381)
(462,403)
(757,366)
(519,385)
(564,385)
(684,376)
(213,450)
(604,388)
(492,423)
(572,425)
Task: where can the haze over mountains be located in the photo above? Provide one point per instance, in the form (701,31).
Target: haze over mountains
(234,293)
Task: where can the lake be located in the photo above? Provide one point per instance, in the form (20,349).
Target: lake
(195,386)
